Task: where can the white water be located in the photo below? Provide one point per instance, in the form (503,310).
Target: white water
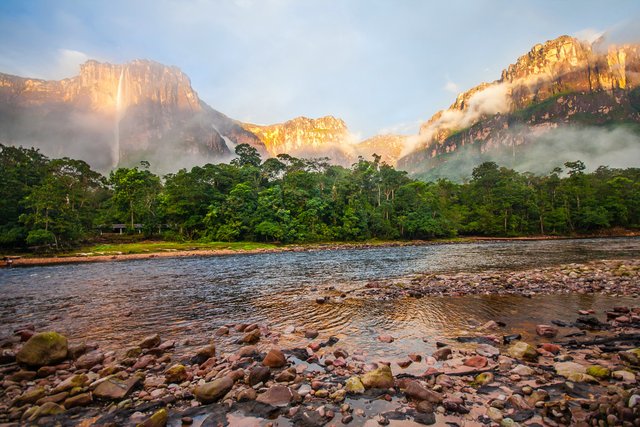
(115,152)
(228,142)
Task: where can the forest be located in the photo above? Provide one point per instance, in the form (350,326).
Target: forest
(53,204)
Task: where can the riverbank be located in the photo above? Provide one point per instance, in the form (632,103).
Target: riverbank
(582,371)
(159,249)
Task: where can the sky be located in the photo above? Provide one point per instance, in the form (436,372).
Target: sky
(382,66)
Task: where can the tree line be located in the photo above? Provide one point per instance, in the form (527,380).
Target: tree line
(58,203)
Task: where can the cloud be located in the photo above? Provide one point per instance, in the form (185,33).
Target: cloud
(588,35)
(451,87)
(67,63)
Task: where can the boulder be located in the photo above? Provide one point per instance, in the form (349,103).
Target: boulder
(82,399)
(599,372)
(442,354)
(214,390)
(546,331)
(29,396)
(378,378)
(566,369)
(89,360)
(44,348)
(150,341)
(259,374)
(476,362)
(72,382)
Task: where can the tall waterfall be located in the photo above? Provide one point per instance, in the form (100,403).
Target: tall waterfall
(115,151)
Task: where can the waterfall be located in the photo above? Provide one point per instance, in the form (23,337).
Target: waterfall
(115,151)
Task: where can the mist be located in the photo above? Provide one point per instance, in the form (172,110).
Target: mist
(617,147)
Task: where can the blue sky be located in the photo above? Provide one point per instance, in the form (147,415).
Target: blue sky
(379,65)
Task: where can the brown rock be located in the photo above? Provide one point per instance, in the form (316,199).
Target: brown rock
(251,337)
(246,395)
(418,392)
(385,339)
(115,389)
(176,374)
(274,359)
(259,374)
(476,362)
(89,360)
(277,395)
(442,354)
(150,341)
(44,348)
(214,390)
(82,399)
(546,331)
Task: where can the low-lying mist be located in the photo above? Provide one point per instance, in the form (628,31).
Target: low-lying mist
(617,147)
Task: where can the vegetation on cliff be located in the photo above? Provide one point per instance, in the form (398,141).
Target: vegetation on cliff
(57,203)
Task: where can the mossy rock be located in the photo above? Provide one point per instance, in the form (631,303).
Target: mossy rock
(378,378)
(522,350)
(599,372)
(158,419)
(44,348)
(354,386)
(176,374)
(483,379)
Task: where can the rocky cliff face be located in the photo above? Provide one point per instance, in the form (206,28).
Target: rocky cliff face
(561,82)
(301,135)
(115,115)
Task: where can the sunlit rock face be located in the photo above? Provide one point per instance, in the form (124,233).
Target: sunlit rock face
(114,115)
(562,82)
(301,135)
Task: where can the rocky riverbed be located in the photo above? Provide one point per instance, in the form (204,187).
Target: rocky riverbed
(582,372)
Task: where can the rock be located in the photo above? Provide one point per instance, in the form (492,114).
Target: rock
(22,375)
(158,419)
(89,360)
(522,350)
(484,378)
(414,357)
(522,370)
(246,395)
(489,326)
(275,359)
(251,337)
(518,402)
(494,414)
(546,331)
(599,372)
(487,350)
(82,399)
(222,330)
(321,300)
(144,361)
(551,348)
(55,398)
(176,374)
(29,396)
(385,339)
(214,390)
(203,353)
(133,352)
(476,362)
(442,354)
(416,391)
(259,374)
(566,369)
(277,395)
(340,352)
(150,341)
(338,395)
(248,351)
(353,385)
(581,378)
(72,382)
(48,408)
(378,378)
(624,376)
(286,376)
(311,333)
(44,348)
(116,389)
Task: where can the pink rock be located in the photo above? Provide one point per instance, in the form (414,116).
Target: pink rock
(476,362)
(546,331)
(385,338)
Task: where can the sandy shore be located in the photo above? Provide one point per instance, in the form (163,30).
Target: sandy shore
(71,259)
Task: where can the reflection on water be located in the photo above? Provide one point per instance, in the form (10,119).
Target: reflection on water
(115,304)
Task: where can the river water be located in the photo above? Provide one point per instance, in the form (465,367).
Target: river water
(116,303)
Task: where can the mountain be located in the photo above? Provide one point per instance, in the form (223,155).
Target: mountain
(563,88)
(112,115)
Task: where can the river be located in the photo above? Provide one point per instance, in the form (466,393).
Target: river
(116,303)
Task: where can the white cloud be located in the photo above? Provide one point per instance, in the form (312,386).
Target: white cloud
(67,63)
(451,87)
(589,35)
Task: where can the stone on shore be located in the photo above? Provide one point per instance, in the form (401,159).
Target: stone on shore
(176,374)
(82,399)
(546,331)
(524,351)
(277,395)
(214,390)
(150,341)
(442,354)
(275,359)
(115,389)
(44,348)
(354,385)
(378,378)
(416,391)
(158,419)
